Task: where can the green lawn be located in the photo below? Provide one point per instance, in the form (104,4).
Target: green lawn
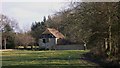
(53,58)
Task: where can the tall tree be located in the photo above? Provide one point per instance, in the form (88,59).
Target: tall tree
(7,26)
(37,29)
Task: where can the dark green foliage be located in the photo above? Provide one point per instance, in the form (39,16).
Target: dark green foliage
(38,28)
(10,36)
(8,28)
(10,43)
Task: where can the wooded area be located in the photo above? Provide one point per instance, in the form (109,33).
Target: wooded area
(96,24)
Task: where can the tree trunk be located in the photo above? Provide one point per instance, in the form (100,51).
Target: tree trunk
(110,42)
(0,40)
(106,44)
(85,46)
(5,43)
(110,34)
(25,46)
(32,47)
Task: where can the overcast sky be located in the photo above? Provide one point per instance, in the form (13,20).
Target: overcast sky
(27,12)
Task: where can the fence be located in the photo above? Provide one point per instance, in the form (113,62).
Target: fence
(69,47)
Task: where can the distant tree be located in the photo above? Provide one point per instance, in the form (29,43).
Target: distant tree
(28,39)
(38,28)
(44,19)
(7,27)
(24,39)
(8,37)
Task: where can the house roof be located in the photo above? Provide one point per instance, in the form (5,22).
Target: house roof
(55,32)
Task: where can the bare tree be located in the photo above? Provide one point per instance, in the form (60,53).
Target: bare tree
(7,27)
(24,39)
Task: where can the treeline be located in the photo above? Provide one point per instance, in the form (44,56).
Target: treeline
(96,24)
(12,37)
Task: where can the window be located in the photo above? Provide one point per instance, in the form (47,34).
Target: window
(45,40)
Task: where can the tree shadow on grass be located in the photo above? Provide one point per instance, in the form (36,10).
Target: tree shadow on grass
(99,60)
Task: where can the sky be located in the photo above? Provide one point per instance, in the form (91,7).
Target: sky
(28,12)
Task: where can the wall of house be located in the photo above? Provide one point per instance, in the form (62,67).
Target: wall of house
(69,47)
(49,44)
(52,45)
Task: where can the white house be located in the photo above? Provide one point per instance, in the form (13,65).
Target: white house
(49,38)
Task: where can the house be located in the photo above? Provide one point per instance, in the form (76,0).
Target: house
(49,38)
(53,39)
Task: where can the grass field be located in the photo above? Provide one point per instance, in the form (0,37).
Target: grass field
(53,58)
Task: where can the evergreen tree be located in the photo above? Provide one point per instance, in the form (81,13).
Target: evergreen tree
(37,29)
